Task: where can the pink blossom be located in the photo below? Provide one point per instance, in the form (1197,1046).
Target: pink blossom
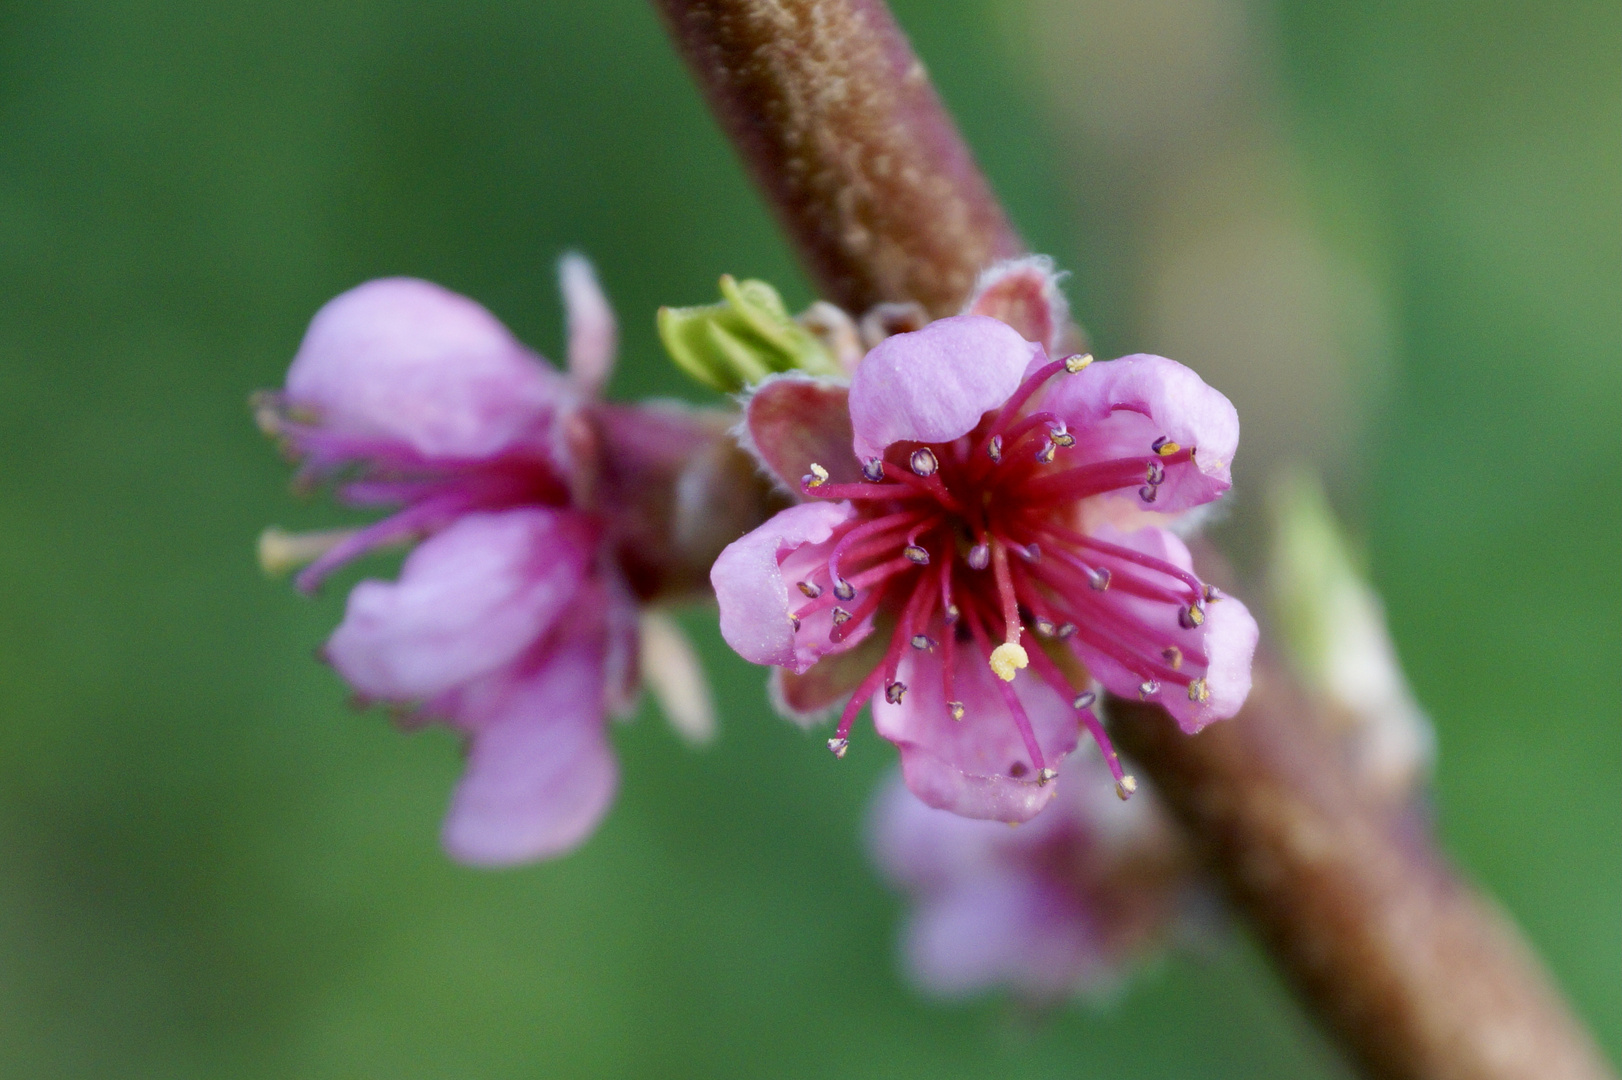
(985,534)
(509,621)
(1061,905)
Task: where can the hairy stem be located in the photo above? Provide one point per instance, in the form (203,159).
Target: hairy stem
(837,120)
(1415,973)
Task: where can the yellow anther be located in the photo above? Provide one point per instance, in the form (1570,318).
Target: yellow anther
(818,477)
(1073,364)
(1167,448)
(1126,786)
(1008,658)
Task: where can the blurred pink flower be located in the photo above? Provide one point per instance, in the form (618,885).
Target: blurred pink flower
(509,621)
(1062,905)
(963,492)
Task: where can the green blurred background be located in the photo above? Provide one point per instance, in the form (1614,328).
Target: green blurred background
(1390,230)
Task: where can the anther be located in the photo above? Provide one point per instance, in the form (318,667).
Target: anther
(1173,656)
(1008,658)
(1099,579)
(844,590)
(1155,473)
(1067,630)
(1148,492)
(916,554)
(840,616)
(810,589)
(1061,437)
(1046,776)
(1030,553)
(838,747)
(1148,689)
(979,556)
(994,448)
(952,614)
(1211,593)
(1191,616)
(1045,627)
(1164,447)
(794,621)
(873,470)
(1073,364)
(956,709)
(923,643)
(894,692)
(923,461)
(817,477)
(1125,786)
(1084,700)
(1199,690)
(1044,456)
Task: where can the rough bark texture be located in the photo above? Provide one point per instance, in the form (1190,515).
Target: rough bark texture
(837,119)
(1418,975)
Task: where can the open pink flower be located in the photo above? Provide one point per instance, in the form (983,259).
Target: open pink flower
(1062,905)
(508,621)
(984,537)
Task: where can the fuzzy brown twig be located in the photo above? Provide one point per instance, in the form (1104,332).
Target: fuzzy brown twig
(837,120)
(1415,973)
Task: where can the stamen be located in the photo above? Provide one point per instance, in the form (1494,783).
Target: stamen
(1126,786)
(844,589)
(916,554)
(1190,617)
(894,692)
(1044,456)
(1199,690)
(794,621)
(1046,776)
(923,643)
(1099,578)
(810,589)
(979,556)
(1148,689)
(840,616)
(1045,627)
(955,708)
(838,746)
(1062,437)
(1211,593)
(994,448)
(1173,656)
(1155,473)
(873,470)
(1067,630)
(1074,364)
(924,462)
(1084,700)
(1164,447)
(1148,492)
(816,478)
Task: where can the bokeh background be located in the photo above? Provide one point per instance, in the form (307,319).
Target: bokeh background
(1389,229)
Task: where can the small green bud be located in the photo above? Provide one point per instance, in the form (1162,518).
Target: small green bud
(743,339)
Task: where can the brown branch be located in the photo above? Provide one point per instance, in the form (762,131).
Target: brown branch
(837,120)
(1417,975)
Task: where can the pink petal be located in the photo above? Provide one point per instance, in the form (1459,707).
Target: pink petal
(1024,293)
(540,770)
(1119,408)
(468,601)
(934,384)
(792,420)
(1011,930)
(406,361)
(1227,638)
(968,766)
(752,579)
(593,337)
